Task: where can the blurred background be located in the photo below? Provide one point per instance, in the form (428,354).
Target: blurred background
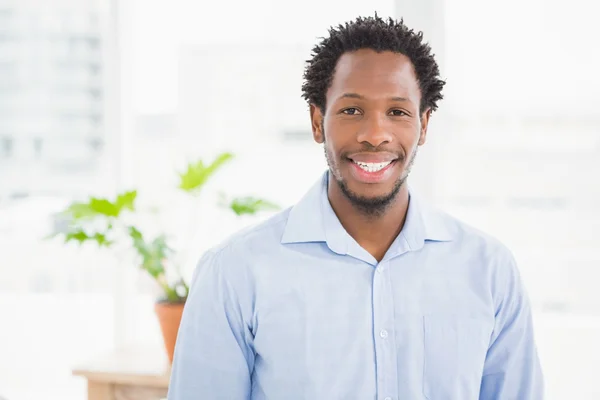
(98,97)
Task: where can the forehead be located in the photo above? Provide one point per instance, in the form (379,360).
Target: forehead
(374,75)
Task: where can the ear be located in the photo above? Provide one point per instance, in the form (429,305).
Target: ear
(316,120)
(424,123)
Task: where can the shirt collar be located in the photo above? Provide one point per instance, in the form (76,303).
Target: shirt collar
(312,219)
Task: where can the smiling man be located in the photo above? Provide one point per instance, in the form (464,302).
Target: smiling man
(361,290)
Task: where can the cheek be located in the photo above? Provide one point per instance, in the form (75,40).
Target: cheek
(337,136)
(329,151)
(333,148)
(411,137)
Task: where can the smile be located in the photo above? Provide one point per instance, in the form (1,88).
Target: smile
(373,172)
(372,167)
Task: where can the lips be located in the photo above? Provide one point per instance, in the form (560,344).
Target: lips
(372,172)
(372,166)
(373,158)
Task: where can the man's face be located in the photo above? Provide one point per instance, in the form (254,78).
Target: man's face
(371,128)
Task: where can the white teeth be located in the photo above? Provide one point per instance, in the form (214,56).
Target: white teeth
(372,167)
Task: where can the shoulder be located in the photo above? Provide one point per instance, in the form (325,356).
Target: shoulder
(263,238)
(264,235)
(224,272)
(485,253)
(475,241)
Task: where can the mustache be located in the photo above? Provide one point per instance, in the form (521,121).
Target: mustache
(369,148)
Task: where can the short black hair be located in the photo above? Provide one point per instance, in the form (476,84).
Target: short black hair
(380,35)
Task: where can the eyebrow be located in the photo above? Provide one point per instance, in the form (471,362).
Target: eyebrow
(361,97)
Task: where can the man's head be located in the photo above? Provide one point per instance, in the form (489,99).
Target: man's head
(371,86)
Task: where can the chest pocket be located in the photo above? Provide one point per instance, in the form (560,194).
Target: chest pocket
(455,348)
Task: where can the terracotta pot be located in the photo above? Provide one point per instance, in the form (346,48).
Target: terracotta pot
(169,317)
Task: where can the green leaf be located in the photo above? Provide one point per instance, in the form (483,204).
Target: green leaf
(197,174)
(104,207)
(78,235)
(219,161)
(101,239)
(101,207)
(134,233)
(153,254)
(251,205)
(80,211)
(138,243)
(126,200)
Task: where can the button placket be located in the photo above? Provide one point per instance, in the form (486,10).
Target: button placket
(383,328)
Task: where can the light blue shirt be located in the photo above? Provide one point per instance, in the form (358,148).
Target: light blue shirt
(295,309)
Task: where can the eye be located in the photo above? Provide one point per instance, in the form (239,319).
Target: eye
(351,111)
(398,113)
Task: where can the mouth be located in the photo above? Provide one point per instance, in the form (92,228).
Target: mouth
(372,166)
(372,172)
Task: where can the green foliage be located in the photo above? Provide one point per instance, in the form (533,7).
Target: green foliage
(197,174)
(100,221)
(100,207)
(251,205)
(80,236)
(153,253)
(97,210)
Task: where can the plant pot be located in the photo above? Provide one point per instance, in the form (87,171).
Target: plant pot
(169,318)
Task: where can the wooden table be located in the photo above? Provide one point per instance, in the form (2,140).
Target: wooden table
(127,375)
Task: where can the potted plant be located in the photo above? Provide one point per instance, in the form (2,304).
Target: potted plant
(104,222)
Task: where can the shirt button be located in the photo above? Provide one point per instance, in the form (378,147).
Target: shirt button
(383,333)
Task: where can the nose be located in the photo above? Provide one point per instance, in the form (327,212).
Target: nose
(375,131)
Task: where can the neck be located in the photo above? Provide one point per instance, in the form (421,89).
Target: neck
(374,233)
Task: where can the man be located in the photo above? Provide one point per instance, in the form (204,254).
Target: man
(361,290)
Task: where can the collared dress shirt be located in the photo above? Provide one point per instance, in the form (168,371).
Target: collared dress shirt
(294,308)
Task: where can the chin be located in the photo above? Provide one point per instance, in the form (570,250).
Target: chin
(371,191)
(369,196)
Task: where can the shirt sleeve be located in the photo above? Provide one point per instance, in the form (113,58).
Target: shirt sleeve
(512,368)
(214,356)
